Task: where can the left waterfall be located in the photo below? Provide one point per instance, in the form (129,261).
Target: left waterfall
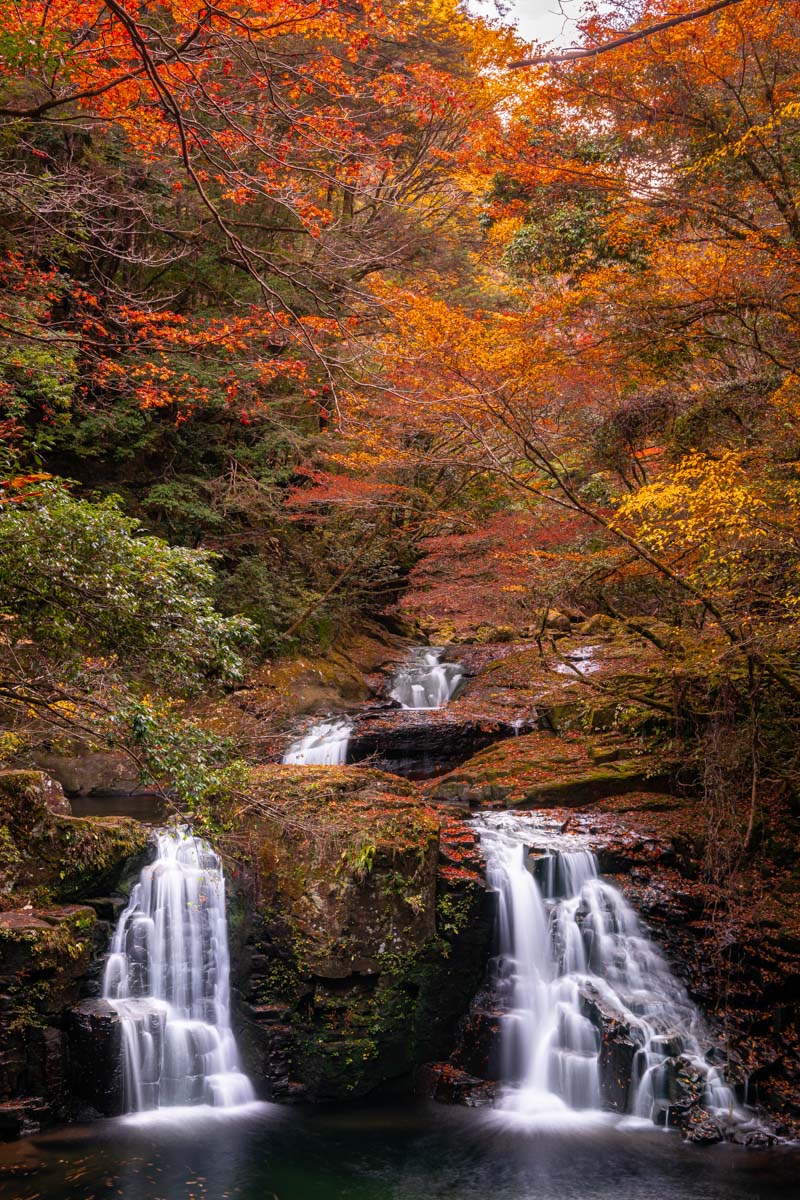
(168,978)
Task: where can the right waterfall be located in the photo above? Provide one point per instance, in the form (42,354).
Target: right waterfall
(569,942)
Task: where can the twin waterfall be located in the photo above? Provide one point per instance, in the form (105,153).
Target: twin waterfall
(167,977)
(567,940)
(570,949)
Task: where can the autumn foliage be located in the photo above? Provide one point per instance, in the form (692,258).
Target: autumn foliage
(390,311)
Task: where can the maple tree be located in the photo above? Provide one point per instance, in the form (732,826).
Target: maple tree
(194,201)
(621,347)
(296,147)
(381,301)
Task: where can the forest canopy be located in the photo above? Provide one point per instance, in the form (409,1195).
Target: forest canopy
(354,319)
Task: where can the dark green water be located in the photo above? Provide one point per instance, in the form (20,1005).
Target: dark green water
(383,1151)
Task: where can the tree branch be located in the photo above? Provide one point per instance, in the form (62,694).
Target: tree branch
(633,35)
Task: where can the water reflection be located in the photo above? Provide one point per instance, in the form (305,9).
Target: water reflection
(381,1152)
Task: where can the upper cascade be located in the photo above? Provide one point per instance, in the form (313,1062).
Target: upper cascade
(425,681)
(325,745)
(565,937)
(168,978)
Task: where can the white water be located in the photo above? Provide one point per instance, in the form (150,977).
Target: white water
(578,663)
(168,978)
(562,934)
(325,745)
(425,682)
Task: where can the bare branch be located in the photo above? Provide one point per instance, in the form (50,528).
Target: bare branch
(633,35)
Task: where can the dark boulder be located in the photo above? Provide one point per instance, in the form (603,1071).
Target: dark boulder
(618,1050)
(94,1057)
(421,745)
(448,1085)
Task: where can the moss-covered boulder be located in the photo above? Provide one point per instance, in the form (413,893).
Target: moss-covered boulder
(47,856)
(544,769)
(42,953)
(262,713)
(361,927)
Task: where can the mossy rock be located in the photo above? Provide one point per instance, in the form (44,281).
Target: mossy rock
(544,769)
(349,960)
(47,856)
(43,952)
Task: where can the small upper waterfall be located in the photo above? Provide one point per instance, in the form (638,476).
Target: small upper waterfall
(167,977)
(325,745)
(564,935)
(425,681)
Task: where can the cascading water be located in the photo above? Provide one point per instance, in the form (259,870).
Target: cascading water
(425,681)
(168,978)
(564,936)
(325,745)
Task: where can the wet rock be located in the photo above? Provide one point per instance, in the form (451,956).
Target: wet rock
(421,745)
(755,1139)
(94,1057)
(108,908)
(478,1044)
(700,1127)
(21,1118)
(448,1085)
(618,1050)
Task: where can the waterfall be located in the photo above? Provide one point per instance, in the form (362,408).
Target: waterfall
(426,682)
(325,745)
(565,936)
(168,978)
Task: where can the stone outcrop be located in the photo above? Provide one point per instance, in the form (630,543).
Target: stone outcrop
(421,744)
(449,1085)
(262,713)
(542,769)
(360,932)
(55,873)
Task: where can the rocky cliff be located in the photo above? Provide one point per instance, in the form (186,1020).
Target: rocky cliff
(61,883)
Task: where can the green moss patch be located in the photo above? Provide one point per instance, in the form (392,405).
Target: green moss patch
(541,768)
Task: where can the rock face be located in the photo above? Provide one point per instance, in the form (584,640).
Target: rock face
(542,769)
(360,933)
(94,1061)
(420,745)
(262,714)
(53,933)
